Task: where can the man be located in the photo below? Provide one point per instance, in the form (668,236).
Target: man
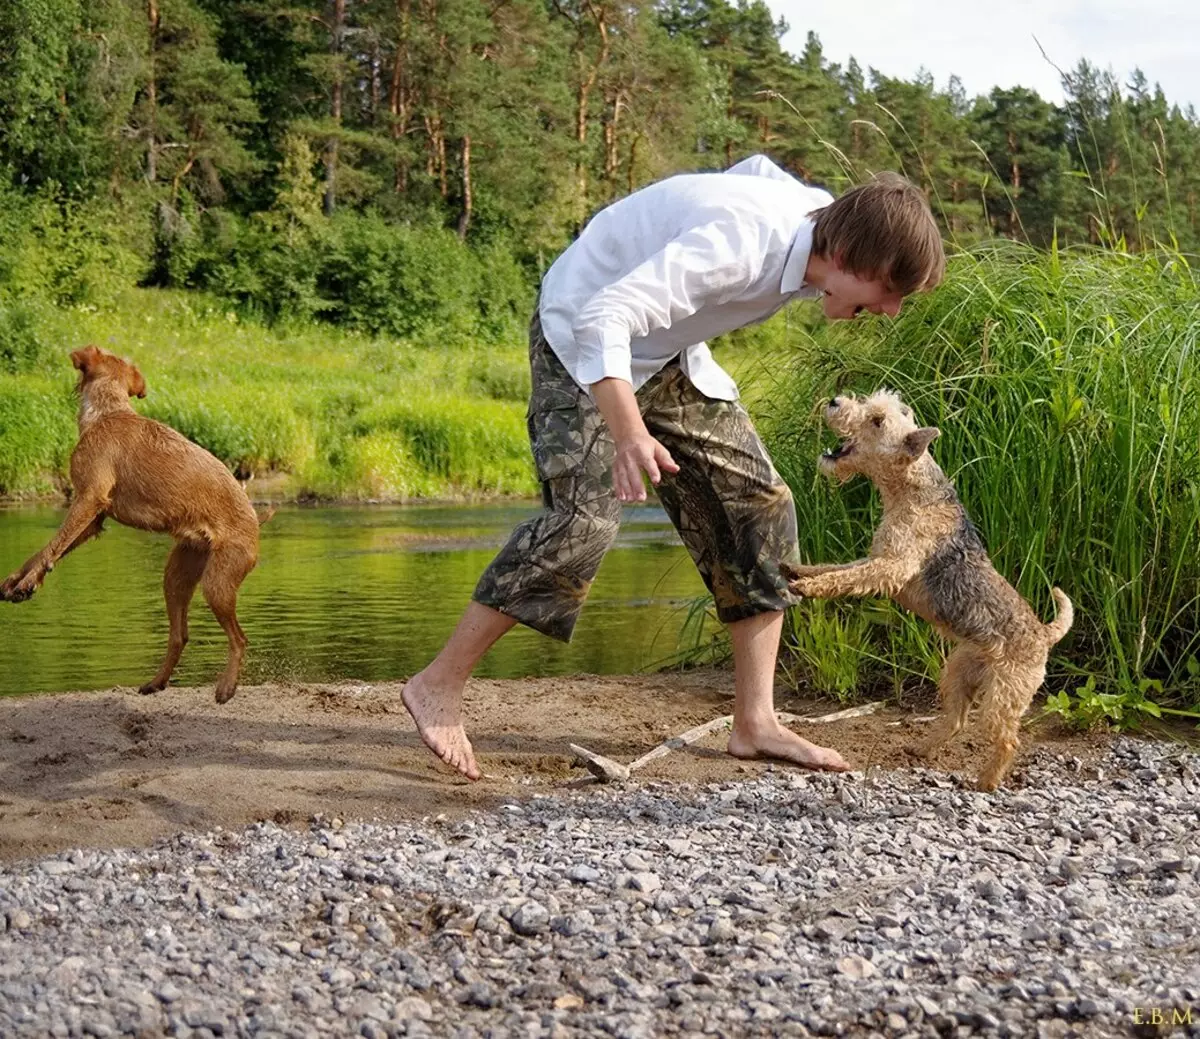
(625,386)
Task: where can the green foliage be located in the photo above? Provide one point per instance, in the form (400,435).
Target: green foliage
(361,272)
(1089,707)
(37,434)
(327,413)
(1064,386)
(61,251)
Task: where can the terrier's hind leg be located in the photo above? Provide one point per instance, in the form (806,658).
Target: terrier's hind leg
(957,688)
(1003,702)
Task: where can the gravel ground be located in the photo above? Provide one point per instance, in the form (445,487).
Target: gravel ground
(896,904)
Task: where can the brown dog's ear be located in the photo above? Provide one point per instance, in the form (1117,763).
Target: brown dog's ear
(916,443)
(135,382)
(83,359)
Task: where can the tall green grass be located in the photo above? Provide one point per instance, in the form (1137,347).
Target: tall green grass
(332,413)
(1065,386)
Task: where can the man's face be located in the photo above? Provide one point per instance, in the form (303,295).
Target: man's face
(848,295)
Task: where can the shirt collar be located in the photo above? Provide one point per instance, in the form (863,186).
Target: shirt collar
(797,260)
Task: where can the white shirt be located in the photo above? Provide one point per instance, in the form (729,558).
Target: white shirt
(658,272)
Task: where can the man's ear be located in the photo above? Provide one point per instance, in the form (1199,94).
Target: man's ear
(916,443)
(84,358)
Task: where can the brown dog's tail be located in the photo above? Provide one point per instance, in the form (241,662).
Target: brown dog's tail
(264,517)
(1061,624)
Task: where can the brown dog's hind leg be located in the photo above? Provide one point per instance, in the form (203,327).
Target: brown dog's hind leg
(185,566)
(227,568)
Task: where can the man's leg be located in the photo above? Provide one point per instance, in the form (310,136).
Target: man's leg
(542,575)
(736,518)
(434,696)
(756,730)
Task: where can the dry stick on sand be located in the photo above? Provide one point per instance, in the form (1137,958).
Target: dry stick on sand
(608,771)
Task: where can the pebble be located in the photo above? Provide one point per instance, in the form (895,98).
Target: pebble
(787,903)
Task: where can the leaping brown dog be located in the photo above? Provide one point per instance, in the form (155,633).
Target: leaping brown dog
(927,555)
(148,476)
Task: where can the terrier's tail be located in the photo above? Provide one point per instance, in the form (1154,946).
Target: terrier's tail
(1065,617)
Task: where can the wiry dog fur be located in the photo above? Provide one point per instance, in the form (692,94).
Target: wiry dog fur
(928,557)
(146,475)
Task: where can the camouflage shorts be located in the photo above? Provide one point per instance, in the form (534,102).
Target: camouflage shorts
(732,510)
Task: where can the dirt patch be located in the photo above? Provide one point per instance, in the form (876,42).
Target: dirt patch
(107,769)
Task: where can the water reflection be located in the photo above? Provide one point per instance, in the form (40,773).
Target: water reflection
(340,592)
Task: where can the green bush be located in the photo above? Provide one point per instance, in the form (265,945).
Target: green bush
(1065,387)
(331,413)
(356,270)
(62,251)
(37,434)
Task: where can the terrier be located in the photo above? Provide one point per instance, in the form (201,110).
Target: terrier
(146,475)
(927,555)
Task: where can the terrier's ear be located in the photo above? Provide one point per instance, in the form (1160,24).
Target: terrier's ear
(916,443)
(84,358)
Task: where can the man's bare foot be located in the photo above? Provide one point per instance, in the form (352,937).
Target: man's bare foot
(438,715)
(784,745)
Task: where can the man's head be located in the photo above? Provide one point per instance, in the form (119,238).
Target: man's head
(873,246)
(880,438)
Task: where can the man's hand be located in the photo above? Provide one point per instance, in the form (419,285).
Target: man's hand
(637,451)
(636,455)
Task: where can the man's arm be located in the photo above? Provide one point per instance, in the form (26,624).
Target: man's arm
(704,266)
(637,451)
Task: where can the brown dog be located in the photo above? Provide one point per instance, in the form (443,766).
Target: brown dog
(927,556)
(145,475)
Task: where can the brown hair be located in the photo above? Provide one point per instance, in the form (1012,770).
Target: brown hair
(883,229)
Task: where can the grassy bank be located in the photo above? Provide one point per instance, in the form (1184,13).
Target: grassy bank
(337,414)
(1065,387)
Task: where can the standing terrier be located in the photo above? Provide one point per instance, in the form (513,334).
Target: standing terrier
(927,555)
(145,475)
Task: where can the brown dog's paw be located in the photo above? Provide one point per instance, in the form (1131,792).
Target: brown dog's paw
(16,589)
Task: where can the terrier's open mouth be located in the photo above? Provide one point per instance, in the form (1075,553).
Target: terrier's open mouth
(841,451)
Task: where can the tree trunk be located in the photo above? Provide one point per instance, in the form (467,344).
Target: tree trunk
(464,217)
(337,31)
(443,186)
(376,79)
(398,94)
(435,161)
(152,95)
(629,178)
(611,161)
(1014,176)
(586,82)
